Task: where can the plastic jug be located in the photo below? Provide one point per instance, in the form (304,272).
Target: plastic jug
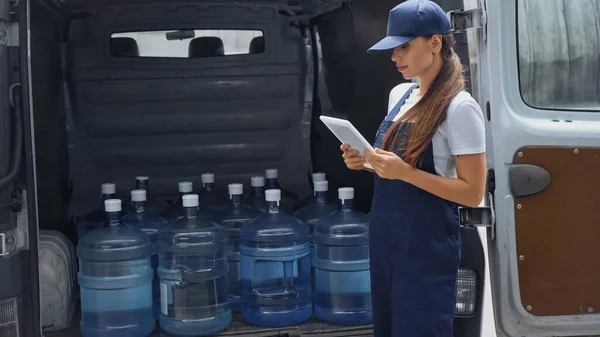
(193,275)
(152,203)
(209,201)
(151,224)
(341,262)
(176,211)
(275,268)
(95,218)
(232,218)
(115,277)
(256,198)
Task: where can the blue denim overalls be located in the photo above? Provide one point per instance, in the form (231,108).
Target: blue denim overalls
(414,252)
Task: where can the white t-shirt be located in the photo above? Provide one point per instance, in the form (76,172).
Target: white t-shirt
(463,131)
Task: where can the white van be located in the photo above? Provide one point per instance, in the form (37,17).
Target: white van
(95,91)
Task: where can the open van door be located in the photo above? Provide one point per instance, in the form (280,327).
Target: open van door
(538,81)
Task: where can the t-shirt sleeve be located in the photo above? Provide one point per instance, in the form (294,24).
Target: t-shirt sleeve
(466,129)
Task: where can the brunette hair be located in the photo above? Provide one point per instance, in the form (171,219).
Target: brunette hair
(430,110)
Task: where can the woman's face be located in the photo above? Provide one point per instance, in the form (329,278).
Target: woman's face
(416,57)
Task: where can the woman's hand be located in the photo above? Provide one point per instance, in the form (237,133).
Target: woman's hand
(387,164)
(351,158)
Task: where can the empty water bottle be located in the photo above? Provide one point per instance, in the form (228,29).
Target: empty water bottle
(256,198)
(151,224)
(287,199)
(95,218)
(209,200)
(275,268)
(341,262)
(193,275)
(232,218)
(115,277)
(176,211)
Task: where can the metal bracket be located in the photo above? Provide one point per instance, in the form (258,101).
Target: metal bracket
(9,34)
(3,251)
(471,217)
(461,20)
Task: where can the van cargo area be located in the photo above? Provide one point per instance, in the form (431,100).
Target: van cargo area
(116,89)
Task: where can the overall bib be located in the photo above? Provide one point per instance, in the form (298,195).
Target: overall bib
(414,252)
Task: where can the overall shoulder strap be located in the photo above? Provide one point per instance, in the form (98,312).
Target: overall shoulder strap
(396,109)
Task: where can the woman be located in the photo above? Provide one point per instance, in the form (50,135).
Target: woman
(429,158)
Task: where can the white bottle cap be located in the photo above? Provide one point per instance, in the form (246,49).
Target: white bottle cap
(108,188)
(346,193)
(235,189)
(273,195)
(138,195)
(185,186)
(190,200)
(141,178)
(318,176)
(271,173)
(257,181)
(112,205)
(208,178)
(321,186)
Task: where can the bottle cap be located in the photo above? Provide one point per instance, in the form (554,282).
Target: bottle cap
(321,186)
(257,181)
(138,195)
(141,178)
(273,195)
(185,186)
(235,189)
(190,200)
(112,205)
(318,176)
(208,178)
(271,173)
(108,188)
(346,193)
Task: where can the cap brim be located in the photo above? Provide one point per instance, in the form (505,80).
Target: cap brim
(390,42)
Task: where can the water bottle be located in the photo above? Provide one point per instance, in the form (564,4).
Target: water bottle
(315,210)
(115,277)
(275,268)
(232,218)
(341,262)
(95,218)
(176,211)
(156,205)
(149,223)
(287,199)
(209,201)
(193,269)
(256,199)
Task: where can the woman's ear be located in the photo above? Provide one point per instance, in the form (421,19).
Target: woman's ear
(436,43)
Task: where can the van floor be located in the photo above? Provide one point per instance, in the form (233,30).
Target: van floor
(241,329)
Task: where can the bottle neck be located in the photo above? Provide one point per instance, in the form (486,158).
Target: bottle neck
(273,207)
(236,200)
(108,196)
(272,183)
(320,196)
(347,204)
(113,219)
(258,191)
(142,185)
(138,206)
(181,194)
(208,187)
(191,212)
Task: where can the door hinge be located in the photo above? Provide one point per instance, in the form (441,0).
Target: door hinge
(461,20)
(9,33)
(484,216)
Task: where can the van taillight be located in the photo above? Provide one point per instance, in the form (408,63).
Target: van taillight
(11,312)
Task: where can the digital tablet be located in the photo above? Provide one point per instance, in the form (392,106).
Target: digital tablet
(347,134)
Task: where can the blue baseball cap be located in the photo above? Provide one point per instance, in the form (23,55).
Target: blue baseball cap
(411,19)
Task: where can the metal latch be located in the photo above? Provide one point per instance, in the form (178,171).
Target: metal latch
(461,20)
(9,33)
(471,217)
